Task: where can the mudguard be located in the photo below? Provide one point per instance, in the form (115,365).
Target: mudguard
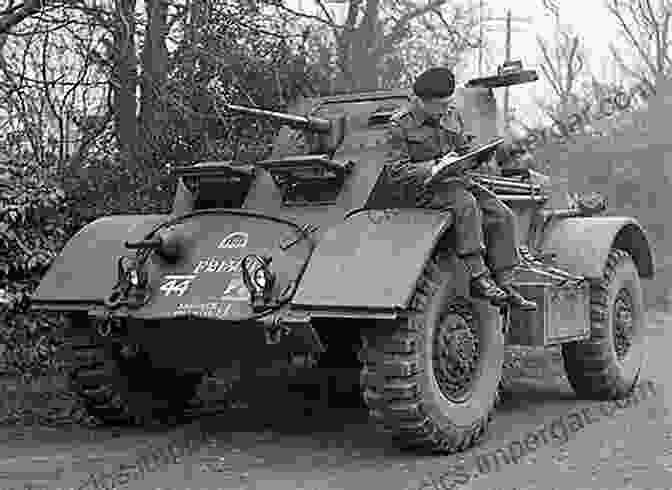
(581,245)
(205,279)
(85,271)
(372,260)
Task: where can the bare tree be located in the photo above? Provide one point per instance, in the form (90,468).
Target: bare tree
(13,15)
(645,29)
(124,46)
(374,32)
(563,63)
(41,94)
(141,65)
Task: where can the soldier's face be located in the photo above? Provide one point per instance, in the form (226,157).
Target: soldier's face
(436,107)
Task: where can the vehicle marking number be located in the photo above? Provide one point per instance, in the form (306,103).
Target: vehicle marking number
(217,264)
(207,310)
(176,284)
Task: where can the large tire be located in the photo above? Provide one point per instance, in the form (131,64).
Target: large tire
(118,390)
(607,365)
(413,370)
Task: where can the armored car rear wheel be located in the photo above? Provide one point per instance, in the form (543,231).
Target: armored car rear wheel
(607,365)
(120,387)
(431,379)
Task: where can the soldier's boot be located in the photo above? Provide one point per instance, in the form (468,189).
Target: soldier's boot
(514,298)
(482,284)
(517,300)
(484,287)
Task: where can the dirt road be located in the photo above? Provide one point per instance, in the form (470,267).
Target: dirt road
(627,446)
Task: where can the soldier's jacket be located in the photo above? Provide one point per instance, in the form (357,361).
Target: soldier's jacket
(415,141)
(414,137)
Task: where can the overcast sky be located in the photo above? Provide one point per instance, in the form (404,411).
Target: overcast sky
(589,18)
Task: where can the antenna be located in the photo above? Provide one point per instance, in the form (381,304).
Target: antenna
(508,58)
(480,39)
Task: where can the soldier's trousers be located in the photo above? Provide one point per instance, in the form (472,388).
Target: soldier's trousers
(483,225)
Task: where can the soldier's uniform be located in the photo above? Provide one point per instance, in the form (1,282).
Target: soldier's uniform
(416,139)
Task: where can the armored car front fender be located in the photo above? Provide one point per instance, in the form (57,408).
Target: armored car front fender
(581,245)
(203,277)
(370,262)
(85,271)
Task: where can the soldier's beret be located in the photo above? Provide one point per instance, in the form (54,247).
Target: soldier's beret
(436,82)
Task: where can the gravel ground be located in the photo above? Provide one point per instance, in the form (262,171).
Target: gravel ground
(631,450)
(274,446)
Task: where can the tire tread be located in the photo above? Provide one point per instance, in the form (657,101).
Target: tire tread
(392,389)
(590,364)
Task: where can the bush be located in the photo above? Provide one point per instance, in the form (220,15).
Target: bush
(33,228)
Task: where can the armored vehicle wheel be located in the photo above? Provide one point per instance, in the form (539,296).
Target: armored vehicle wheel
(119,389)
(607,365)
(431,379)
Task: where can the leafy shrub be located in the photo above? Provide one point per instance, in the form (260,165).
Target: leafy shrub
(33,228)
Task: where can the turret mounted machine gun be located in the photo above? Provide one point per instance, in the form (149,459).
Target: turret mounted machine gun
(323,135)
(314,170)
(509,73)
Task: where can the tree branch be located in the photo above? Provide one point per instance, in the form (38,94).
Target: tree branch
(631,72)
(316,18)
(398,29)
(18,15)
(549,69)
(612,7)
(325,11)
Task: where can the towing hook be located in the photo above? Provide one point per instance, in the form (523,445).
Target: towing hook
(275,334)
(274,329)
(105,328)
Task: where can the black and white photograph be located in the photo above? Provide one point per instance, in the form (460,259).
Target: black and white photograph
(335,244)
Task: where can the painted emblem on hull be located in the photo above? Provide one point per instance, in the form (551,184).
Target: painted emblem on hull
(236,291)
(237,239)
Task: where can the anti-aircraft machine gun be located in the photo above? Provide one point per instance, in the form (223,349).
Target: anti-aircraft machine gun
(307,255)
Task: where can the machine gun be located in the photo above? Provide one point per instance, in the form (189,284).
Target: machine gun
(506,188)
(323,135)
(510,73)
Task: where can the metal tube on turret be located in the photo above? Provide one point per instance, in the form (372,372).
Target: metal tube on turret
(524,186)
(316,124)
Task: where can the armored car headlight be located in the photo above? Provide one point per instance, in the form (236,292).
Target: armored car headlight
(134,277)
(258,279)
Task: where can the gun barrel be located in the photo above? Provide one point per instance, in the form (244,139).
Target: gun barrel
(316,124)
(523,186)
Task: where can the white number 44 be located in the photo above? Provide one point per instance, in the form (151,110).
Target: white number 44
(176,285)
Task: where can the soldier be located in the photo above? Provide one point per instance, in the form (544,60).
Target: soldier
(431,128)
